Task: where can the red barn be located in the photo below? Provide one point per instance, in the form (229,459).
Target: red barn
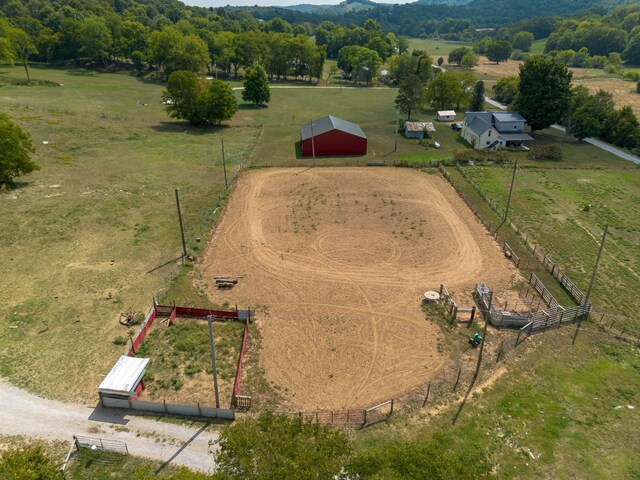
(332,136)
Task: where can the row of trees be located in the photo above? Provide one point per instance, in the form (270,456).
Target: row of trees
(543,94)
(279,447)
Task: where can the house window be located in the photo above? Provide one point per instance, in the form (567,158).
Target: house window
(515,127)
(489,133)
(488,142)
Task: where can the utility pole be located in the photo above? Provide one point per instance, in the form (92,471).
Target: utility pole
(484,336)
(395,146)
(224,166)
(213,361)
(313,145)
(506,212)
(184,245)
(593,277)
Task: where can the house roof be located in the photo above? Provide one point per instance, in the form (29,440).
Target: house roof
(419,127)
(508,117)
(328,123)
(478,125)
(446,113)
(124,376)
(516,136)
(487,117)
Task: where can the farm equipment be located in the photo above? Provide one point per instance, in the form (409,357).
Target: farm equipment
(226,282)
(475,340)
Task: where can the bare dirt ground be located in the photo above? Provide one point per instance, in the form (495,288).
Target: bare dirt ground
(340,258)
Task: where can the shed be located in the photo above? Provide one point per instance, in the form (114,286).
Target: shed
(445,115)
(125,378)
(332,136)
(417,129)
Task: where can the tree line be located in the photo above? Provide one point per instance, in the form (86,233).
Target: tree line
(161,34)
(287,448)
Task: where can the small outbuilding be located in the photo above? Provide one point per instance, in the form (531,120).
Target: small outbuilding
(331,136)
(418,129)
(445,115)
(125,378)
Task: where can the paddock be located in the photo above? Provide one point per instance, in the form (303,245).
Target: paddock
(335,262)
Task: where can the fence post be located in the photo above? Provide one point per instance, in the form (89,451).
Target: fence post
(391,412)
(75,440)
(426,398)
(518,339)
(457,379)
(164,402)
(500,351)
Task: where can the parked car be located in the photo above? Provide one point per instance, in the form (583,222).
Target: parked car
(456,126)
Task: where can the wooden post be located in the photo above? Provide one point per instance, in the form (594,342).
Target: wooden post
(426,398)
(75,440)
(164,402)
(534,249)
(224,166)
(391,407)
(213,361)
(455,386)
(184,245)
(518,338)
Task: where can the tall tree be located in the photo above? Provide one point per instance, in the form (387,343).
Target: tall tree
(544,91)
(276,446)
(31,463)
(522,41)
(623,129)
(457,54)
(22,45)
(191,99)
(499,51)
(410,95)
(506,89)
(477,101)
(256,86)
(15,150)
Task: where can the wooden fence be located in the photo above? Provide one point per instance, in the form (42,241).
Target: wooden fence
(238,401)
(348,418)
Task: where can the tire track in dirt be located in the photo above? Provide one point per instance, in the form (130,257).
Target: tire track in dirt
(345,328)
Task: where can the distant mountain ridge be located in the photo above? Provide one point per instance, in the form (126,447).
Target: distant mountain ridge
(360,5)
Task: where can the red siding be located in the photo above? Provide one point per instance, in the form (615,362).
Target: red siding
(336,143)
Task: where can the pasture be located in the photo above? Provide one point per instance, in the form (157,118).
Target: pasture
(95,232)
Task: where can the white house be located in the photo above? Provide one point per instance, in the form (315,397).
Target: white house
(494,130)
(445,115)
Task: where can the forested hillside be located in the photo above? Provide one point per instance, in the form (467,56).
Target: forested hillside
(420,19)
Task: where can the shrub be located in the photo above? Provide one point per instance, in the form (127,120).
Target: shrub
(546,152)
(120,340)
(465,156)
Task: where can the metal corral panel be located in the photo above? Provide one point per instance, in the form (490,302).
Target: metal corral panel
(124,376)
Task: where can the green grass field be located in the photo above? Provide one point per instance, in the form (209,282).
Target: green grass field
(537,47)
(435,48)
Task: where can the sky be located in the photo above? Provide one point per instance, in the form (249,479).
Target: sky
(262,3)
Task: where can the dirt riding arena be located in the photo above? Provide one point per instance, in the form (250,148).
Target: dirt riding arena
(339,258)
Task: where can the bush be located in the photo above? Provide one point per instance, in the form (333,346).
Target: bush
(120,340)
(465,156)
(546,152)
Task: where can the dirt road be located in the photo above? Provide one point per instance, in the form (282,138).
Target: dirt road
(26,415)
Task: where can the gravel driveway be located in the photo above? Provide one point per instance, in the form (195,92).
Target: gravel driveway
(27,415)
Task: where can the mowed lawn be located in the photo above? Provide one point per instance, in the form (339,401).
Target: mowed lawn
(81,239)
(78,239)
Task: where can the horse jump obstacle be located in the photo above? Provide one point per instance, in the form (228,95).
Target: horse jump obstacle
(452,307)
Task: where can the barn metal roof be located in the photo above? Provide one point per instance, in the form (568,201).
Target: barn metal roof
(328,123)
(124,376)
(508,117)
(446,113)
(419,127)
